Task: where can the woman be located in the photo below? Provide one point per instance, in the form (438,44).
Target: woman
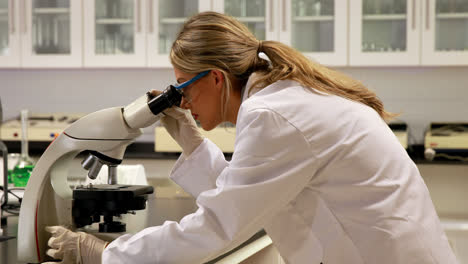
(315,164)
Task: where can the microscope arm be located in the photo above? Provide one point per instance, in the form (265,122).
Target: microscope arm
(124,123)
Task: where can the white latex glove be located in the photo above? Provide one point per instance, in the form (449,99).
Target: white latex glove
(74,247)
(182,128)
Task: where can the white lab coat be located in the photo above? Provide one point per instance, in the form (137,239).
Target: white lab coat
(324,176)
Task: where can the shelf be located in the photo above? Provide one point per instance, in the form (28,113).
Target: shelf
(312,18)
(173,20)
(384,17)
(114,21)
(452,16)
(251,19)
(51,11)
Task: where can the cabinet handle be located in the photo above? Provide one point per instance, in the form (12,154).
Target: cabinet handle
(138,16)
(271,17)
(12,16)
(284,15)
(414,15)
(150,16)
(427,15)
(25,14)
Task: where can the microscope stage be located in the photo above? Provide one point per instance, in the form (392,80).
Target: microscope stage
(93,201)
(111,192)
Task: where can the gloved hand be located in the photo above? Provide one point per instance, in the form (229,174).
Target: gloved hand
(74,247)
(182,128)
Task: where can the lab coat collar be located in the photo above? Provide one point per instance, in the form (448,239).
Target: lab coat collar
(245,90)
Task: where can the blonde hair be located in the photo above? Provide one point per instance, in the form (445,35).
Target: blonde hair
(212,40)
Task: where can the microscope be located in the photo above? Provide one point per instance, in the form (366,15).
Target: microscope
(48,199)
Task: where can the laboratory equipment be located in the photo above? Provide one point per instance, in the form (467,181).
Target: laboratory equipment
(400,129)
(447,140)
(23,168)
(49,200)
(41,126)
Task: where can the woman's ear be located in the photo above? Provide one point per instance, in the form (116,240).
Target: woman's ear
(218,78)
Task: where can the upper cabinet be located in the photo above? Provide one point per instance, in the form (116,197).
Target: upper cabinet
(318,28)
(134,33)
(260,16)
(40,33)
(9,34)
(165,19)
(384,32)
(115,33)
(444,32)
(408,32)
(140,33)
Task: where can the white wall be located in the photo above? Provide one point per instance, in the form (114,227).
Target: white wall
(421,94)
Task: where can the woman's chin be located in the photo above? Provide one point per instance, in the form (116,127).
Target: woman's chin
(206,126)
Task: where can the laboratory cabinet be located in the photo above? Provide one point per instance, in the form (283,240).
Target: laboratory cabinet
(408,32)
(139,33)
(166,18)
(9,34)
(317,28)
(134,33)
(40,33)
(444,32)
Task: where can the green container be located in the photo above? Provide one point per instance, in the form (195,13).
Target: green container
(10,172)
(20,175)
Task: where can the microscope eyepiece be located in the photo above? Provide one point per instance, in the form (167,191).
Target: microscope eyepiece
(147,109)
(169,97)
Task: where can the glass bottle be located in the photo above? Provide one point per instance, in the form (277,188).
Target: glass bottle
(25,164)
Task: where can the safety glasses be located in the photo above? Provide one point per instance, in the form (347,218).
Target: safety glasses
(181,86)
(187,83)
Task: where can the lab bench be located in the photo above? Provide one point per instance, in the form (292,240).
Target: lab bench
(446,181)
(145,150)
(171,203)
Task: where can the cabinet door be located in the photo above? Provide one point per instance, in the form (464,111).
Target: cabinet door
(115,33)
(9,34)
(165,19)
(384,32)
(445,32)
(260,16)
(51,36)
(318,28)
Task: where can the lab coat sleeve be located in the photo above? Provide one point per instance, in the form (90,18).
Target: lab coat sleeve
(266,172)
(208,161)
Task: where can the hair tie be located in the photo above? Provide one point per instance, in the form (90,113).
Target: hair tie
(260,47)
